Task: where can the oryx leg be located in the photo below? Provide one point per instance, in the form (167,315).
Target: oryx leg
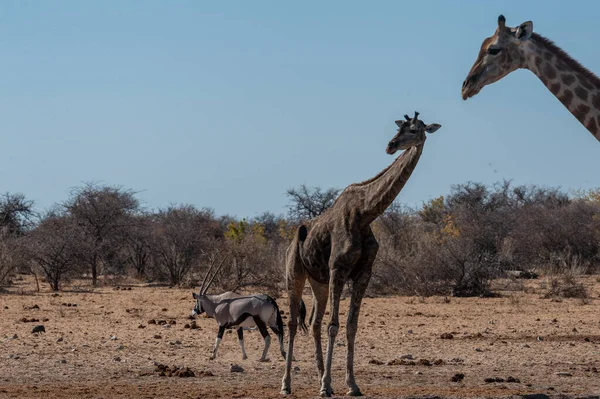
(218,341)
(280,338)
(240,332)
(320,294)
(262,327)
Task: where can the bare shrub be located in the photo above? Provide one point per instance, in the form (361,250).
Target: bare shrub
(101,213)
(180,238)
(566,287)
(52,248)
(309,202)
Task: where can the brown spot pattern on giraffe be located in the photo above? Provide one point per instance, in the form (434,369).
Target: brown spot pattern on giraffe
(561,66)
(580,112)
(592,126)
(585,83)
(566,98)
(538,61)
(549,71)
(596,101)
(581,93)
(555,88)
(548,55)
(567,79)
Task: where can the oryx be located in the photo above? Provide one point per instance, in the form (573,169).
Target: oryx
(232,310)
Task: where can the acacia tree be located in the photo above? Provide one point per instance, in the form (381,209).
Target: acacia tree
(16,218)
(101,213)
(181,235)
(309,202)
(137,243)
(52,247)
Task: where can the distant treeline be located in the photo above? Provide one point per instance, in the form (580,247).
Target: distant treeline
(450,245)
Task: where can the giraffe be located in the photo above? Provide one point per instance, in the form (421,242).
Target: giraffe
(508,49)
(339,247)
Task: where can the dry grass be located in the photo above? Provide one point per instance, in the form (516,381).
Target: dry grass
(493,338)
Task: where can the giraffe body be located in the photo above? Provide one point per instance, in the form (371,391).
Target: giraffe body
(339,247)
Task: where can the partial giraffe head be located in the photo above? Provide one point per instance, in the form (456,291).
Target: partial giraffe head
(411,132)
(500,54)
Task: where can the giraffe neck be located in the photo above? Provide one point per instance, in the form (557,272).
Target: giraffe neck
(576,88)
(380,192)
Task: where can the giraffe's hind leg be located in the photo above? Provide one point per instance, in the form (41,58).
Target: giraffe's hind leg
(320,295)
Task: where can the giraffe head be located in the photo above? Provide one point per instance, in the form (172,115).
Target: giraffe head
(500,54)
(411,132)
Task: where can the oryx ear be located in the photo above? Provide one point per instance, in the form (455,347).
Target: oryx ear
(524,31)
(432,128)
(194,295)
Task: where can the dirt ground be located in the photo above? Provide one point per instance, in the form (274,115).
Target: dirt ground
(104,347)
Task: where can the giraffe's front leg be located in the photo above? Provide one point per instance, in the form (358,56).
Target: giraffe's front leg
(336,285)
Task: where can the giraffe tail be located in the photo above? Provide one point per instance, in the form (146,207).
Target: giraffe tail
(302,233)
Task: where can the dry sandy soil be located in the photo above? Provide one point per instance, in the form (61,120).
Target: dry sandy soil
(551,346)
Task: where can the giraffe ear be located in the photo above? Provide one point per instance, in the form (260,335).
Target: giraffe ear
(432,128)
(399,123)
(524,31)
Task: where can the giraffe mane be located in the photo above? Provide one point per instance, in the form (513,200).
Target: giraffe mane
(567,59)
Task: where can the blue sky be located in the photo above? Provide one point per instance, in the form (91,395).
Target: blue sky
(228,104)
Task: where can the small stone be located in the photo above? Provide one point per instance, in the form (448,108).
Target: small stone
(296,369)
(164,309)
(141,326)
(236,369)
(407,357)
(117,359)
(446,336)
(113,337)
(526,346)
(457,377)
(478,350)
(151,321)
(38,329)
(120,347)
(409,332)
(563,374)
(63,361)
(15,336)
(61,339)
(418,372)
(513,380)
(540,338)
(375,361)
(157,336)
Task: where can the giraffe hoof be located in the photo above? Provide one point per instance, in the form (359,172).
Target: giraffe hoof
(286,391)
(265,360)
(354,392)
(326,393)
(244,357)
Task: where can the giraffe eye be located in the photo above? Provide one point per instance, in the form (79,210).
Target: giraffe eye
(493,50)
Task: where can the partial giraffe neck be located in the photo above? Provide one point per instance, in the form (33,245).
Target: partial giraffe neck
(382,190)
(574,85)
